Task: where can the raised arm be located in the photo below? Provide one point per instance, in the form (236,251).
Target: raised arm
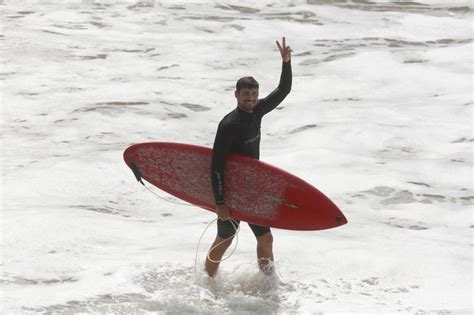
(284,86)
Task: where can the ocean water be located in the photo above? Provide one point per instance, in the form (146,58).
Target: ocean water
(379,119)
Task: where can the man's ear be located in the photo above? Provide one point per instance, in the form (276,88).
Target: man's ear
(237,93)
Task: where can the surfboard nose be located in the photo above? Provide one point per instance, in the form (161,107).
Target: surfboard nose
(341,219)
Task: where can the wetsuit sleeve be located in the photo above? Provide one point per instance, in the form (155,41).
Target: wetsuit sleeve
(222,145)
(270,102)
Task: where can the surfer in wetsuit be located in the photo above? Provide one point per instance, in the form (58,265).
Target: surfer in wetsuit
(239,132)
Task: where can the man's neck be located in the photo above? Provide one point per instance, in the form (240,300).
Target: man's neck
(244,110)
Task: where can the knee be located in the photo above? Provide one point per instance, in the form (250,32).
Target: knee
(265,240)
(225,242)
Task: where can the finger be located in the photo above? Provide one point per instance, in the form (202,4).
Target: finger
(279,46)
(284,42)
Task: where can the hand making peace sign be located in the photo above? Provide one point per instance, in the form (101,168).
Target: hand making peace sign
(285,51)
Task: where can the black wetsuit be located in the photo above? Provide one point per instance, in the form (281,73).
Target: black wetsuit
(239,132)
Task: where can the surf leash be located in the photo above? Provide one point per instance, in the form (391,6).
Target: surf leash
(196,260)
(234,223)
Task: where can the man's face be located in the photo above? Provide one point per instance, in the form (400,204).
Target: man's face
(247,99)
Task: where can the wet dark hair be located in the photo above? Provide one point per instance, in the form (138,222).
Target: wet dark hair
(246,83)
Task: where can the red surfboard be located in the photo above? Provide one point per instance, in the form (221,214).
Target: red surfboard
(255,192)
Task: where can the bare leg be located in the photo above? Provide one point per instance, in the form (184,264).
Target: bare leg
(265,252)
(216,255)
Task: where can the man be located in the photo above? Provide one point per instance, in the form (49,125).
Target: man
(239,132)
